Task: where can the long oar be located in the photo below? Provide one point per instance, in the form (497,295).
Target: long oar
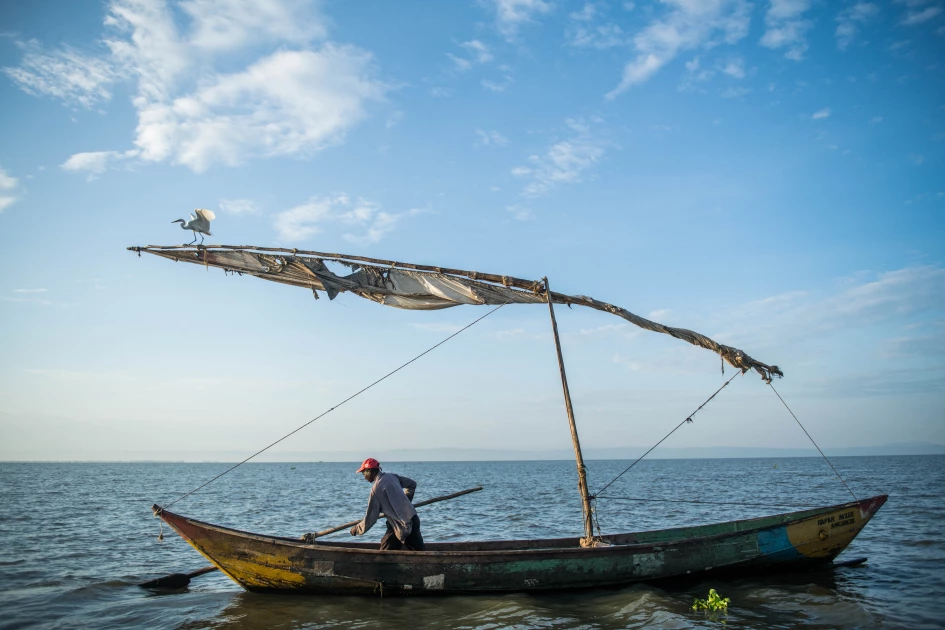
(314,535)
(180,580)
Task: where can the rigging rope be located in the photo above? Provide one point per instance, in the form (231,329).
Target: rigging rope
(813,442)
(688,419)
(391,373)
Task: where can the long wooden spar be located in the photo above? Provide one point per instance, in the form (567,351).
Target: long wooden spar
(278,264)
(588,539)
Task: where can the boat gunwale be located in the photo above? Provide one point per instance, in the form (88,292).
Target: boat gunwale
(574,548)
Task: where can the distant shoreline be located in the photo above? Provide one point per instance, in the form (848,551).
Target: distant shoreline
(479,455)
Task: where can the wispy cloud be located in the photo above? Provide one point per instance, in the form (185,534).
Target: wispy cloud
(589,28)
(785,27)
(821,114)
(8,188)
(915,17)
(31,296)
(511,15)
(96,162)
(295,93)
(497,86)
(687,25)
(850,19)
(239,206)
(78,79)
(565,162)
(475,53)
(886,296)
(734,67)
(304,221)
(490,139)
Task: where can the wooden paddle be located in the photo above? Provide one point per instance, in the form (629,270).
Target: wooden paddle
(312,536)
(180,580)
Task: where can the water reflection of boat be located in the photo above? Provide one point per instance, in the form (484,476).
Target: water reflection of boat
(257,562)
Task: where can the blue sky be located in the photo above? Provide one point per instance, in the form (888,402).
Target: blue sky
(767,173)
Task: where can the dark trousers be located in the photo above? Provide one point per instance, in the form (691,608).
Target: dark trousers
(414,541)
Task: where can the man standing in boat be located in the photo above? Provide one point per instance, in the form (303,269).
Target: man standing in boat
(391,494)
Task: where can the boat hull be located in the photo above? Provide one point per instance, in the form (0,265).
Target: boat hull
(273,564)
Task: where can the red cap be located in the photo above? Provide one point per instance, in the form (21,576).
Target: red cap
(370,462)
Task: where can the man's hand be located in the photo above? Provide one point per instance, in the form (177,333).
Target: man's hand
(354,530)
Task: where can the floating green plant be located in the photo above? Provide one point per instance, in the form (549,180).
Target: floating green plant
(713,602)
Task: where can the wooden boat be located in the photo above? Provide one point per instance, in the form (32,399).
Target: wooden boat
(790,541)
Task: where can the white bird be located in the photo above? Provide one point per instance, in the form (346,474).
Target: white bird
(199,224)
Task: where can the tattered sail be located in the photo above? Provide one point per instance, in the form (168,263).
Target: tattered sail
(419,287)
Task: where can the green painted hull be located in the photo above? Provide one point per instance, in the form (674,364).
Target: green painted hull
(782,542)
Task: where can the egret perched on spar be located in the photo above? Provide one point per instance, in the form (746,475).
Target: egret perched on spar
(199,224)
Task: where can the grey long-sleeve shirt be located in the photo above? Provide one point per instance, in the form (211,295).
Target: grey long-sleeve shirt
(391,494)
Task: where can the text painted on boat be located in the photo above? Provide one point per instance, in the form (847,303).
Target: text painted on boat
(837,520)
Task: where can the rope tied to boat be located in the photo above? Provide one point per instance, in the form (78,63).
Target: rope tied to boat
(688,420)
(812,441)
(349,398)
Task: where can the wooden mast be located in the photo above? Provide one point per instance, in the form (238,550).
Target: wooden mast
(581,469)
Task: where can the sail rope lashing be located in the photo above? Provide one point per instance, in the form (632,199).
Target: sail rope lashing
(349,398)
(687,420)
(764,505)
(813,442)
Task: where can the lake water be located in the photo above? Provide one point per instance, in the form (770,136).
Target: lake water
(77,538)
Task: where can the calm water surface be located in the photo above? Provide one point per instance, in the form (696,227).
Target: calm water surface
(77,538)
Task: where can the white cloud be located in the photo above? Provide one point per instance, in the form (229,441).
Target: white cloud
(785,27)
(95,162)
(29,290)
(219,83)
(239,206)
(462,64)
(520,213)
(849,19)
(821,114)
(8,184)
(565,162)
(886,297)
(734,67)
(67,74)
(513,14)
(306,220)
(225,25)
(394,119)
(496,86)
(477,51)
(695,74)
(913,18)
(690,24)
(588,29)
(876,120)
(290,103)
(491,138)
